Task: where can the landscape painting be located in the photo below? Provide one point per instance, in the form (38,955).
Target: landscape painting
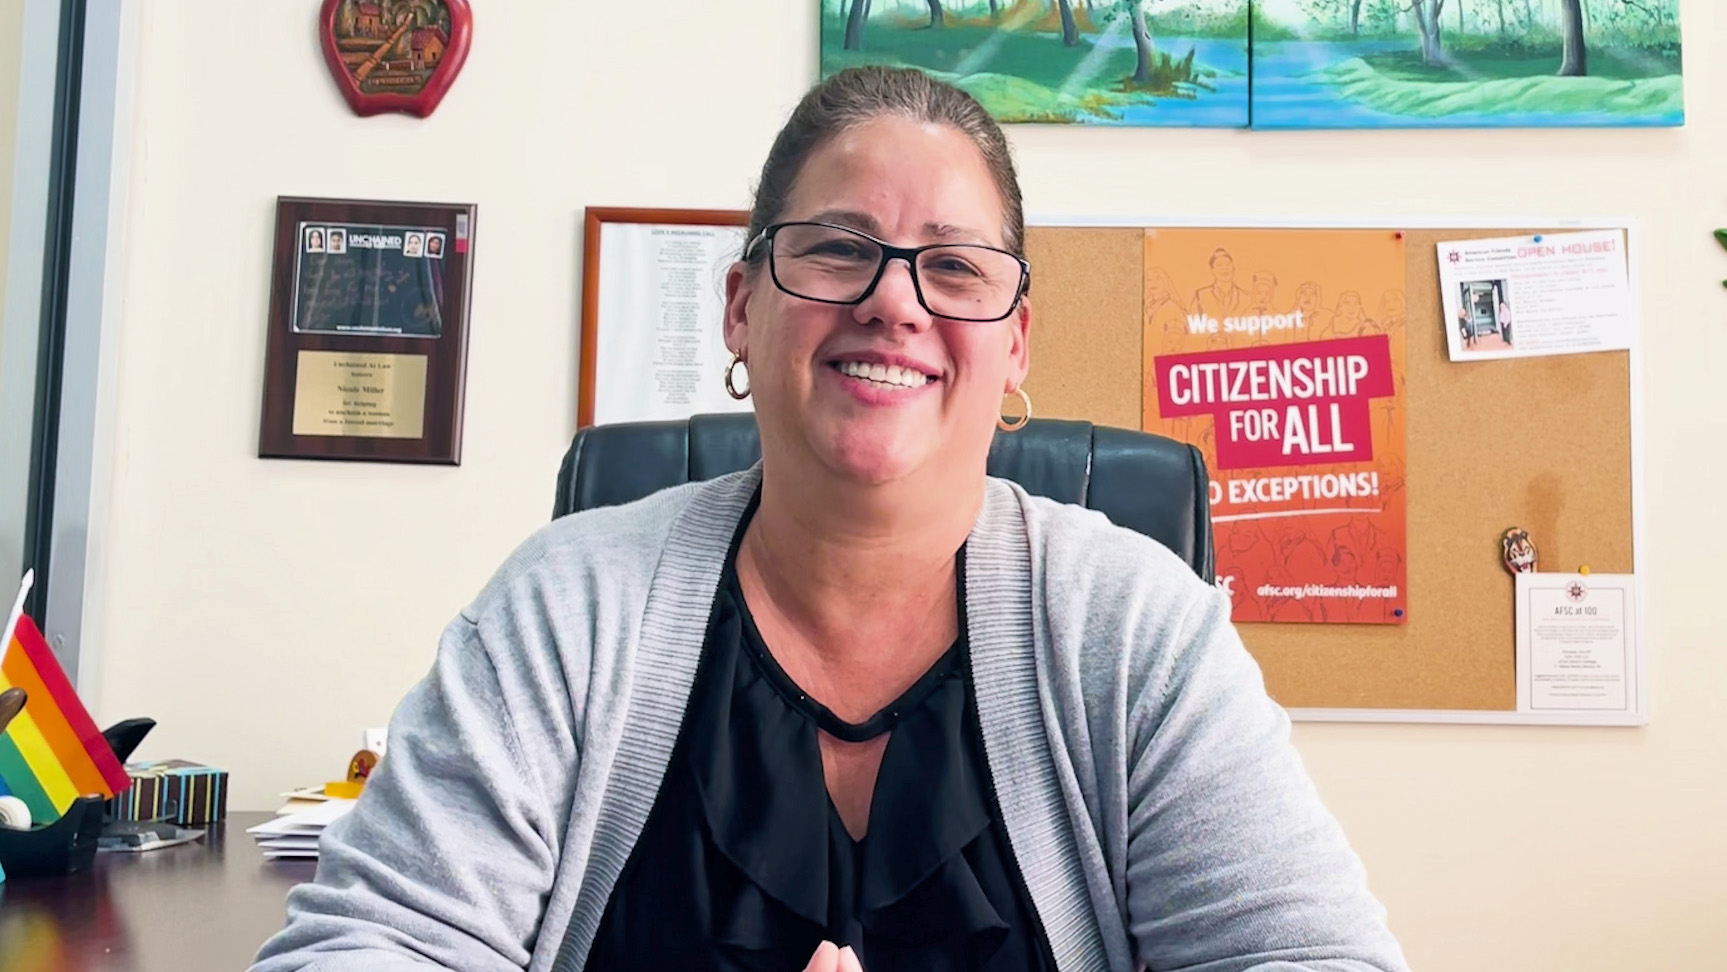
(1466,63)
(1084,62)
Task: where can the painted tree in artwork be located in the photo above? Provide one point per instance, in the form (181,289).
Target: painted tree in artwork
(936,19)
(855,24)
(1141,43)
(1069,31)
(1575,63)
(1427,22)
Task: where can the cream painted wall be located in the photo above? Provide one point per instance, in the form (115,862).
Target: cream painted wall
(265,611)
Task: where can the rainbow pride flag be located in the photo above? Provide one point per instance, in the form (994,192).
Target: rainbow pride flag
(52,753)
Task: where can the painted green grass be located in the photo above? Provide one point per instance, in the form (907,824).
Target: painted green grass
(1541,40)
(1491,65)
(1026,76)
(1038,58)
(1014,99)
(1360,81)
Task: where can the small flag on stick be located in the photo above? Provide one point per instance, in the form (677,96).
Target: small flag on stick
(51,753)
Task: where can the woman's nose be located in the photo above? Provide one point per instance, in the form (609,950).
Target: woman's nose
(894,301)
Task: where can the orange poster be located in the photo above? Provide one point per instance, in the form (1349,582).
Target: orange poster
(1280,353)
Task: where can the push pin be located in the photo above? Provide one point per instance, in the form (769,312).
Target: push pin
(1584,570)
(1519,551)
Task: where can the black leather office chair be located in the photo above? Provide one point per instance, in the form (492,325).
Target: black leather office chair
(1141,481)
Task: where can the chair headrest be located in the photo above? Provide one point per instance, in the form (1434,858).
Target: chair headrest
(1141,481)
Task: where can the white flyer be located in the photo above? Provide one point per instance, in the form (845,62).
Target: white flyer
(1525,296)
(1577,643)
(661,351)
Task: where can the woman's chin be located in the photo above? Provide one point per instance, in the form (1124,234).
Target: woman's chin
(869,454)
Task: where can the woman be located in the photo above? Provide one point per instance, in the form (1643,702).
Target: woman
(1163,313)
(860,706)
(1505,322)
(1350,318)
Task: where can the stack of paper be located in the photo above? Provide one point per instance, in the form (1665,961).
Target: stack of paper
(294,833)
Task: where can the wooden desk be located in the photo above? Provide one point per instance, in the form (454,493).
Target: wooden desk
(205,905)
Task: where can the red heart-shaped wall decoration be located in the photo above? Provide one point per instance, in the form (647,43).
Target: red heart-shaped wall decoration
(395,55)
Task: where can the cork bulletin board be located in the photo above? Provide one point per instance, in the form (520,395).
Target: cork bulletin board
(1549,444)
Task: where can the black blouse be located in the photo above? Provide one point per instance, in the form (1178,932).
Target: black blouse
(744,863)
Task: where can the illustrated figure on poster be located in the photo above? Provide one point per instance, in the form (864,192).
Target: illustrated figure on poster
(1167,319)
(1163,313)
(1309,300)
(1350,319)
(1392,309)
(1359,535)
(1224,297)
(1244,553)
(1346,572)
(1264,292)
(1298,559)
(1298,553)
(1387,568)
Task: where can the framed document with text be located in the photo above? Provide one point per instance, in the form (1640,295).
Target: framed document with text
(366,355)
(653,297)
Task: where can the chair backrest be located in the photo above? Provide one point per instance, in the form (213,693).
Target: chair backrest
(1145,482)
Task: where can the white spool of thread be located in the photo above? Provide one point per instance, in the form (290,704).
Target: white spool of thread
(14,813)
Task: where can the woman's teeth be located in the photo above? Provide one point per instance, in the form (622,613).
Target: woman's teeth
(885,374)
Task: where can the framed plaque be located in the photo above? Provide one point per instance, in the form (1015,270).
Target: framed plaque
(653,302)
(366,356)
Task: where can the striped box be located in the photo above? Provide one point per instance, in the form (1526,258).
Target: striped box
(142,801)
(197,794)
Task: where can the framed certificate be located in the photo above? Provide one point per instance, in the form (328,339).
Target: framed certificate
(653,300)
(366,355)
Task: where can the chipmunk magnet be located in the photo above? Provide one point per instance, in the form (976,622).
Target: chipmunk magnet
(1518,551)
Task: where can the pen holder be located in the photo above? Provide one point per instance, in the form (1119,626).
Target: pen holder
(66,846)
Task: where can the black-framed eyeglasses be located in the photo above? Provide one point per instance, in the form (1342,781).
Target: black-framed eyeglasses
(833,264)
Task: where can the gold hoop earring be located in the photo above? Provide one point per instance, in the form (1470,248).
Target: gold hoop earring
(731,386)
(1020,422)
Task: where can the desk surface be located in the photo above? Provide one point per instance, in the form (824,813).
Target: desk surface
(205,905)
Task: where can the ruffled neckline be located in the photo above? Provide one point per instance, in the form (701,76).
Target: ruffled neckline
(908,883)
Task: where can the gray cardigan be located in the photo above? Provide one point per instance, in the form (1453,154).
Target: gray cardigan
(1156,808)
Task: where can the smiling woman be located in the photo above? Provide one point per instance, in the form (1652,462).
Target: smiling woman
(860,706)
